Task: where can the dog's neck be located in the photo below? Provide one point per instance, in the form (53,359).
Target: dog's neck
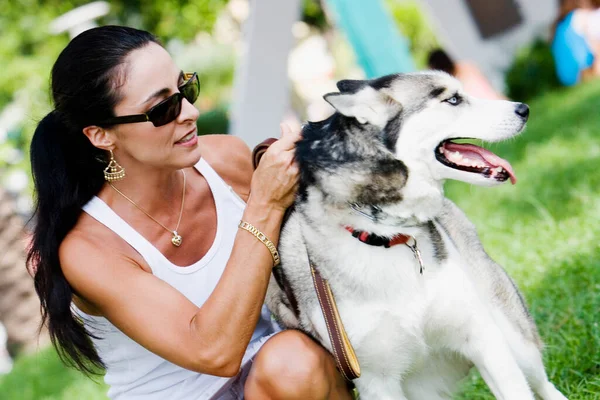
(385,220)
(423,198)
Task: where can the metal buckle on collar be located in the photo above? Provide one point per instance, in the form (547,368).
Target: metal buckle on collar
(357,208)
(416,253)
(381,217)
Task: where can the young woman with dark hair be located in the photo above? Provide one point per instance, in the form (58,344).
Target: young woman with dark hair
(141,268)
(576,41)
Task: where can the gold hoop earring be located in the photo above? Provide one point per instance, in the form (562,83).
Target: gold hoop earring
(113,171)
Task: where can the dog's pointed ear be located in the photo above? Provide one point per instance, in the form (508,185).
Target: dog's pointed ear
(350,85)
(367,105)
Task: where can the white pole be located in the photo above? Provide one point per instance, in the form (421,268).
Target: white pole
(5,360)
(261,84)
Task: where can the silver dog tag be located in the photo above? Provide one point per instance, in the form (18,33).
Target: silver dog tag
(413,247)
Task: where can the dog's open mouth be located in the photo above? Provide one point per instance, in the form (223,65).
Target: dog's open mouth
(470,158)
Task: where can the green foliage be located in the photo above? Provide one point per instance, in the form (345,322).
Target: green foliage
(544,231)
(532,72)
(44,377)
(168,19)
(213,121)
(312,14)
(416,28)
(28,50)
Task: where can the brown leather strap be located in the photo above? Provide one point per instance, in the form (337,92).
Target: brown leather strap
(343,352)
(260,149)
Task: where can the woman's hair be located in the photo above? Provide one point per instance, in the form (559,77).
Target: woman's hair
(565,7)
(440,60)
(68,171)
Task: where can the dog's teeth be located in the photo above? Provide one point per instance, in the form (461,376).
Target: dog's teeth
(456,156)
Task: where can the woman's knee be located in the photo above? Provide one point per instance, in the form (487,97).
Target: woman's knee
(291,366)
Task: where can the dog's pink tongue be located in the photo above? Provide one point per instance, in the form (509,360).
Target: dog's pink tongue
(468,150)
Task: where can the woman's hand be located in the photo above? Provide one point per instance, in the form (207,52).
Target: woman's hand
(275,180)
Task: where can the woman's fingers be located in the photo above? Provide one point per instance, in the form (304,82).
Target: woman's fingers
(285,129)
(288,137)
(275,181)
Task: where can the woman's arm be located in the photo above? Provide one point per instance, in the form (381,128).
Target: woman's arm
(213,338)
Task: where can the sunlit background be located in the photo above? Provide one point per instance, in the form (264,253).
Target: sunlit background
(265,61)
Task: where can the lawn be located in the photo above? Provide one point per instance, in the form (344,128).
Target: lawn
(544,231)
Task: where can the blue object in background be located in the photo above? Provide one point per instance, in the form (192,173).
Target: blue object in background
(379,46)
(572,54)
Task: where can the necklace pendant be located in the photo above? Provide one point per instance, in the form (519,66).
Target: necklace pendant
(176,239)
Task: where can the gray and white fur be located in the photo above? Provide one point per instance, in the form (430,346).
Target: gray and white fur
(415,335)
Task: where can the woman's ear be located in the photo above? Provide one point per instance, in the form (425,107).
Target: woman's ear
(99,137)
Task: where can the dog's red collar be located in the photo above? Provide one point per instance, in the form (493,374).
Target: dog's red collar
(376,240)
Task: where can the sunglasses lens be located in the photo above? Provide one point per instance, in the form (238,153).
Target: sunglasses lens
(169,109)
(191,89)
(166,111)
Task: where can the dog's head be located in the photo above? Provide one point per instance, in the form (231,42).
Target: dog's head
(419,116)
(403,127)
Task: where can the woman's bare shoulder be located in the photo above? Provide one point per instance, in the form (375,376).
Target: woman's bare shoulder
(231,158)
(89,239)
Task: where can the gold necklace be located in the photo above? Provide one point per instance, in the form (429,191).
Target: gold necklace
(176,239)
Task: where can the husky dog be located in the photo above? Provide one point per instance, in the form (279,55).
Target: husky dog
(376,168)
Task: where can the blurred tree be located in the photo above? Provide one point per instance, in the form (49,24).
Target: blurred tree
(313,15)
(416,28)
(532,72)
(168,19)
(27,50)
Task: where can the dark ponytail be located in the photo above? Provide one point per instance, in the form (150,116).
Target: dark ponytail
(68,171)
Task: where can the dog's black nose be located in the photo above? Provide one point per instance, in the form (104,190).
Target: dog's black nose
(522,111)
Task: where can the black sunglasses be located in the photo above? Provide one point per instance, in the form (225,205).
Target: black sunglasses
(167,110)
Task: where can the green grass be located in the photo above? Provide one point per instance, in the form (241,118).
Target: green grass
(43,377)
(544,231)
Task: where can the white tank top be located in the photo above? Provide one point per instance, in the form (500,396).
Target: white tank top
(135,373)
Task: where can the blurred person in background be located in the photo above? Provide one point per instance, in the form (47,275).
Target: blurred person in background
(473,80)
(143,266)
(576,41)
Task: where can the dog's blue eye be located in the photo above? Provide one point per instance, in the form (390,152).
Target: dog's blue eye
(454,100)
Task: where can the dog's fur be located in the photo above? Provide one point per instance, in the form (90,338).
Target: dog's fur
(415,335)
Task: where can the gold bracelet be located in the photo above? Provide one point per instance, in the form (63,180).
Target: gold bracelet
(263,238)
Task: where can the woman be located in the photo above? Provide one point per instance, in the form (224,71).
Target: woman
(137,245)
(576,41)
